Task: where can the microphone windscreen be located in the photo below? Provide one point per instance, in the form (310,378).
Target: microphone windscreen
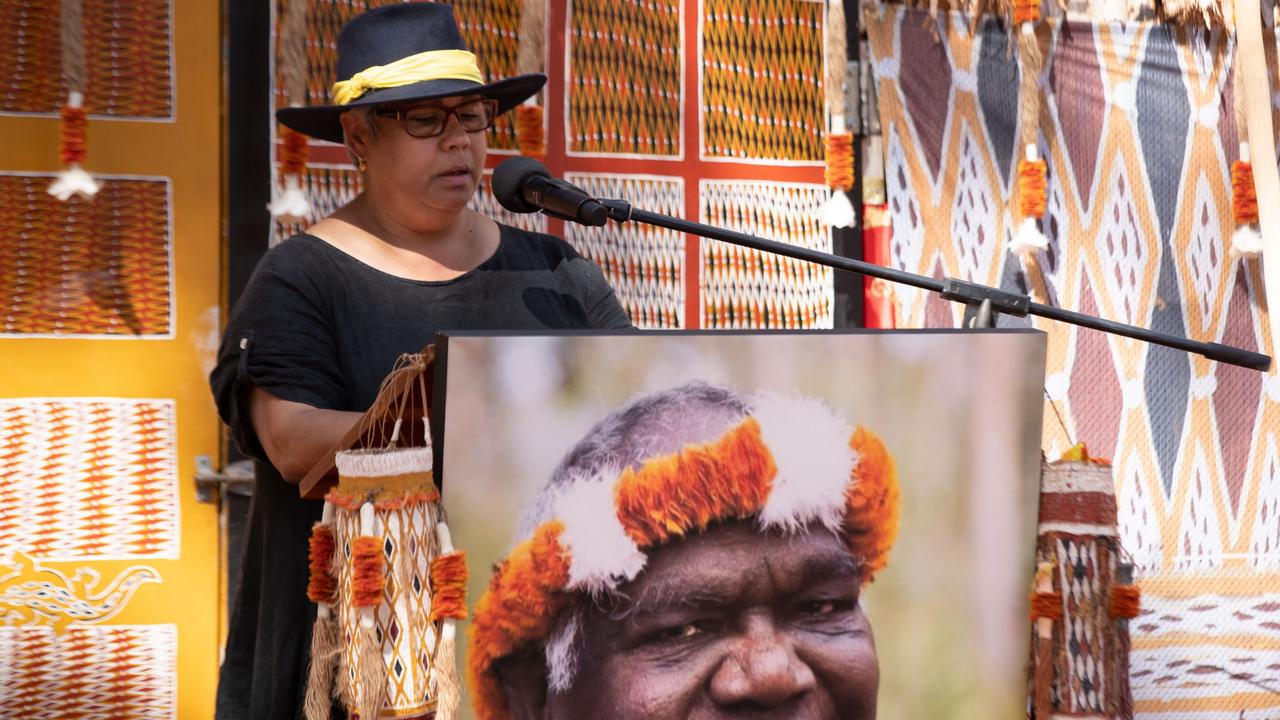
(508,178)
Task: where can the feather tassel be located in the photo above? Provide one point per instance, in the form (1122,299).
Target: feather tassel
(73,146)
(290,203)
(1032,201)
(326,642)
(1246,240)
(838,211)
(448,683)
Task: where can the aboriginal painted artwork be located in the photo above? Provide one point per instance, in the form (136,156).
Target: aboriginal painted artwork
(127,55)
(85,481)
(749,289)
(85,268)
(644,264)
(761,76)
(624,92)
(89,672)
(731,142)
(88,478)
(33,594)
(1137,130)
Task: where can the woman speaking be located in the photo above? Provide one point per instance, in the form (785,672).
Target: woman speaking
(328,311)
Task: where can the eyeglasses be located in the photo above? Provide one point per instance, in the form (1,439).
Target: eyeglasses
(431,120)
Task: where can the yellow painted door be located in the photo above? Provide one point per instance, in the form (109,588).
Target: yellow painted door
(109,568)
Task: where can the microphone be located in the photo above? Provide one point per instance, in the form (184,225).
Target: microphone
(524,185)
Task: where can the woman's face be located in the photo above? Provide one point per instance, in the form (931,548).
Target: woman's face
(418,178)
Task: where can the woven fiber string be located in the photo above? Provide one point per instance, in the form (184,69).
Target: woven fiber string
(73,65)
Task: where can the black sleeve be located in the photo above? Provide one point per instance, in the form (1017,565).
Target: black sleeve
(604,311)
(280,337)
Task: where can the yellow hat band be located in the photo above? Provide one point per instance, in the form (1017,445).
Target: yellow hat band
(430,65)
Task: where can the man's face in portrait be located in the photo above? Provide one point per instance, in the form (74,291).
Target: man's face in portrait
(732,622)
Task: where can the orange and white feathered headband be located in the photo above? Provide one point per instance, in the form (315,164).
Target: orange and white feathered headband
(790,463)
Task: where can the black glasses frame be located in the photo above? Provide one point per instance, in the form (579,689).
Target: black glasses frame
(449,113)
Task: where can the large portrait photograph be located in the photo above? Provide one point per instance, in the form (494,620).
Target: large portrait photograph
(727,525)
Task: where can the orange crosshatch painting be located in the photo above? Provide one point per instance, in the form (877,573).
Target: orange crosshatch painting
(762,66)
(86,268)
(128,50)
(624,79)
(645,265)
(745,288)
(88,478)
(78,673)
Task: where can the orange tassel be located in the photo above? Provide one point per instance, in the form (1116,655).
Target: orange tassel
(73,146)
(449,585)
(322,586)
(871,515)
(1244,197)
(368,577)
(295,153)
(529,133)
(1125,601)
(1046,605)
(1032,188)
(839,172)
(1026,11)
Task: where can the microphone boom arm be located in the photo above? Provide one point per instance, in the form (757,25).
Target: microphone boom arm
(982,301)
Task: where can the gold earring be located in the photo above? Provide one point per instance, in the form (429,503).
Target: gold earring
(360,164)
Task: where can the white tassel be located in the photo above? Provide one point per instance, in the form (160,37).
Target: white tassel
(838,211)
(1028,237)
(291,205)
(1246,241)
(75,180)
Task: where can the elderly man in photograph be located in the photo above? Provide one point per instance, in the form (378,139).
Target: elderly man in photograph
(698,554)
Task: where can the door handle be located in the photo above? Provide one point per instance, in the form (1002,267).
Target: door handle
(235,477)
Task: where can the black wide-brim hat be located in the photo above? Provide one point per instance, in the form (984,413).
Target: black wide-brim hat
(391,33)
